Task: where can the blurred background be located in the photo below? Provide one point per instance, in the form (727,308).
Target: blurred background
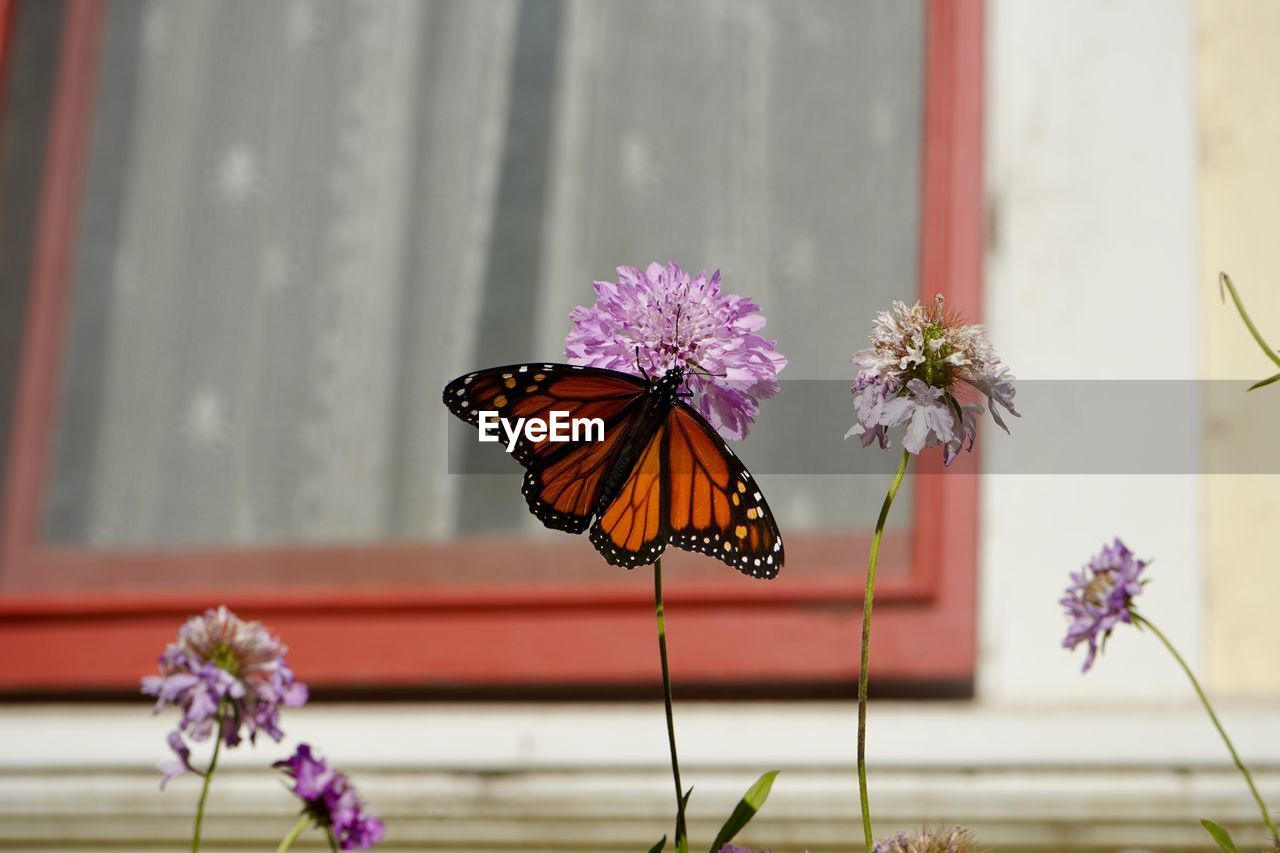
(243,245)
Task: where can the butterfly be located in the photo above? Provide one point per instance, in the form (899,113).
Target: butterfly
(661,475)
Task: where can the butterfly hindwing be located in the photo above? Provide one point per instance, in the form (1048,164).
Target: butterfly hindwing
(688,489)
(563,490)
(631,530)
(715,507)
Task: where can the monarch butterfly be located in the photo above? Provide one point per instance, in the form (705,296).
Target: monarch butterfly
(660,476)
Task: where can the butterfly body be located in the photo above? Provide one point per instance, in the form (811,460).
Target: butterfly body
(659,398)
(661,474)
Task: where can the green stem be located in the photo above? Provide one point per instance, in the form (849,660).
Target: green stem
(864,668)
(204,789)
(1244,771)
(681,832)
(1225,280)
(333,842)
(298,828)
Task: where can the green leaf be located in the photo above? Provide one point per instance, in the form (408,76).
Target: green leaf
(1220,835)
(657,848)
(682,829)
(1264,383)
(1224,280)
(745,810)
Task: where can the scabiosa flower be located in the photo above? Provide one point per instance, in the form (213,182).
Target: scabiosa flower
(1100,596)
(954,840)
(330,799)
(181,763)
(662,317)
(221,661)
(917,366)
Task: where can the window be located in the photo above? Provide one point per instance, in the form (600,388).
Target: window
(265,236)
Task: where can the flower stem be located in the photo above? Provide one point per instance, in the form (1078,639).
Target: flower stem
(681,832)
(1244,771)
(864,667)
(1225,281)
(333,842)
(204,789)
(298,828)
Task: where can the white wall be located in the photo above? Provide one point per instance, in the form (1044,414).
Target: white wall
(1090,274)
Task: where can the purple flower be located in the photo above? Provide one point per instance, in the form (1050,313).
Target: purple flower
(661,318)
(220,661)
(170,769)
(957,839)
(331,800)
(1100,596)
(911,374)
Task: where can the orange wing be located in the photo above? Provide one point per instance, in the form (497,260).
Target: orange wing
(563,480)
(715,507)
(631,531)
(533,390)
(689,490)
(563,491)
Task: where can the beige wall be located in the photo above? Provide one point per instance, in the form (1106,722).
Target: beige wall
(1239,184)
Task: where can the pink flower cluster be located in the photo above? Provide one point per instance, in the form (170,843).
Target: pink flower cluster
(223,673)
(662,317)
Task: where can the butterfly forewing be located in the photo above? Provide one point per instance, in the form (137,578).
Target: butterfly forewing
(563,479)
(535,390)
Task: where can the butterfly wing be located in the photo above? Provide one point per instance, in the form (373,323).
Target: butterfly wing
(631,531)
(563,480)
(688,489)
(714,506)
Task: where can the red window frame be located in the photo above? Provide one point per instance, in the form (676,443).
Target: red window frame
(384,629)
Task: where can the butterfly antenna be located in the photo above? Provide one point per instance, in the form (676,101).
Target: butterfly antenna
(640,367)
(697,368)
